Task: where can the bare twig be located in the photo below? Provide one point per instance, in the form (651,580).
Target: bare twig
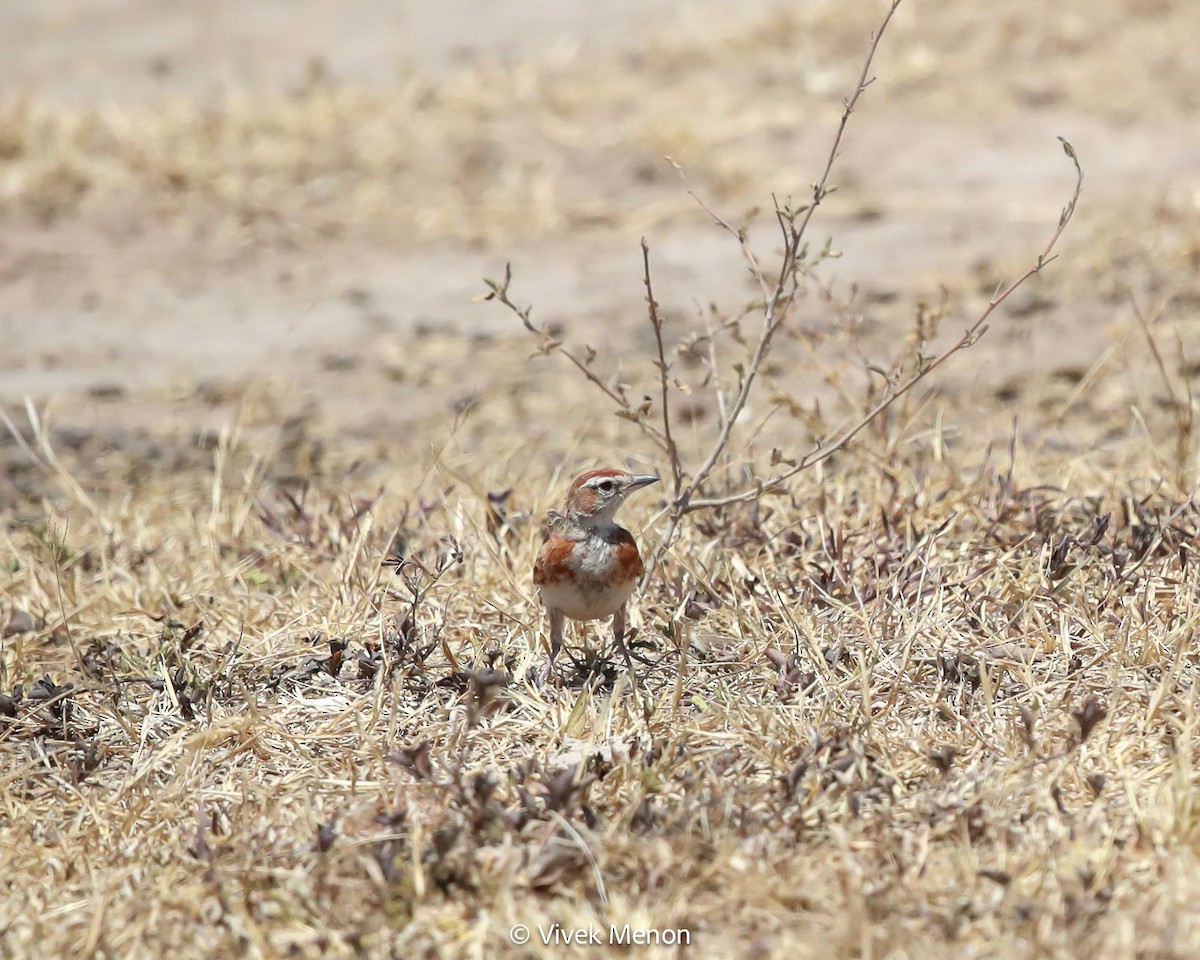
(740,235)
(778,297)
(1181,406)
(968,339)
(663,375)
(549,345)
(778,301)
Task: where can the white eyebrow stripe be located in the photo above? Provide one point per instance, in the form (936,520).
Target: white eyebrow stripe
(595,482)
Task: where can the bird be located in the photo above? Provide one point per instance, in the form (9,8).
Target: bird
(589,565)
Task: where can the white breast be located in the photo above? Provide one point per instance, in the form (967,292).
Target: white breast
(592,595)
(587,600)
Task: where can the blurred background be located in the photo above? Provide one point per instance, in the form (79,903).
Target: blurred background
(281,211)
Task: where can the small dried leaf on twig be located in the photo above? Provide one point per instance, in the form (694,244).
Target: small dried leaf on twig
(943,757)
(975,336)
(497,510)
(1060,563)
(779,659)
(1087,716)
(201,849)
(416,759)
(326,834)
(452,554)
(333,664)
(1028,725)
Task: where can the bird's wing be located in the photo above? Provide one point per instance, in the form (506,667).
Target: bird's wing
(551,564)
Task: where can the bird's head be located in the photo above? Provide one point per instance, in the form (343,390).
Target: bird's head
(595,496)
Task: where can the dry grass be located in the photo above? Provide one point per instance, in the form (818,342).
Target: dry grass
(928,700)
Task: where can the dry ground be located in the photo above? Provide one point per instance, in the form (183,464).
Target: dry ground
(938,699)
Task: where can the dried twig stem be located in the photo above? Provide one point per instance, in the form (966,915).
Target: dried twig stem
(499,293)
(969,337)
(778,301)
(779,295)
(663,375)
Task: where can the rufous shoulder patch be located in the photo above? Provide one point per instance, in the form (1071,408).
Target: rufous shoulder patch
(551,565)
(629,561)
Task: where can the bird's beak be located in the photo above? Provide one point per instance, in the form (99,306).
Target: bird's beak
(643,481)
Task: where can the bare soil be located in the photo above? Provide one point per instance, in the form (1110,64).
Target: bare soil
(116,295)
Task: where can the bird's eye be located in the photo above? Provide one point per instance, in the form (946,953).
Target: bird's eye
(608,486)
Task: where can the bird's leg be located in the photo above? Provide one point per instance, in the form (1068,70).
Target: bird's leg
(556,637)
(619,633)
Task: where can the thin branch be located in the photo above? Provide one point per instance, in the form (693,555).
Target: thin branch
(780,301)
(1181,408)
(820,190)
(972,334)
(739,235)
(499,293)
(776,306)
(656,323)
(714,367)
